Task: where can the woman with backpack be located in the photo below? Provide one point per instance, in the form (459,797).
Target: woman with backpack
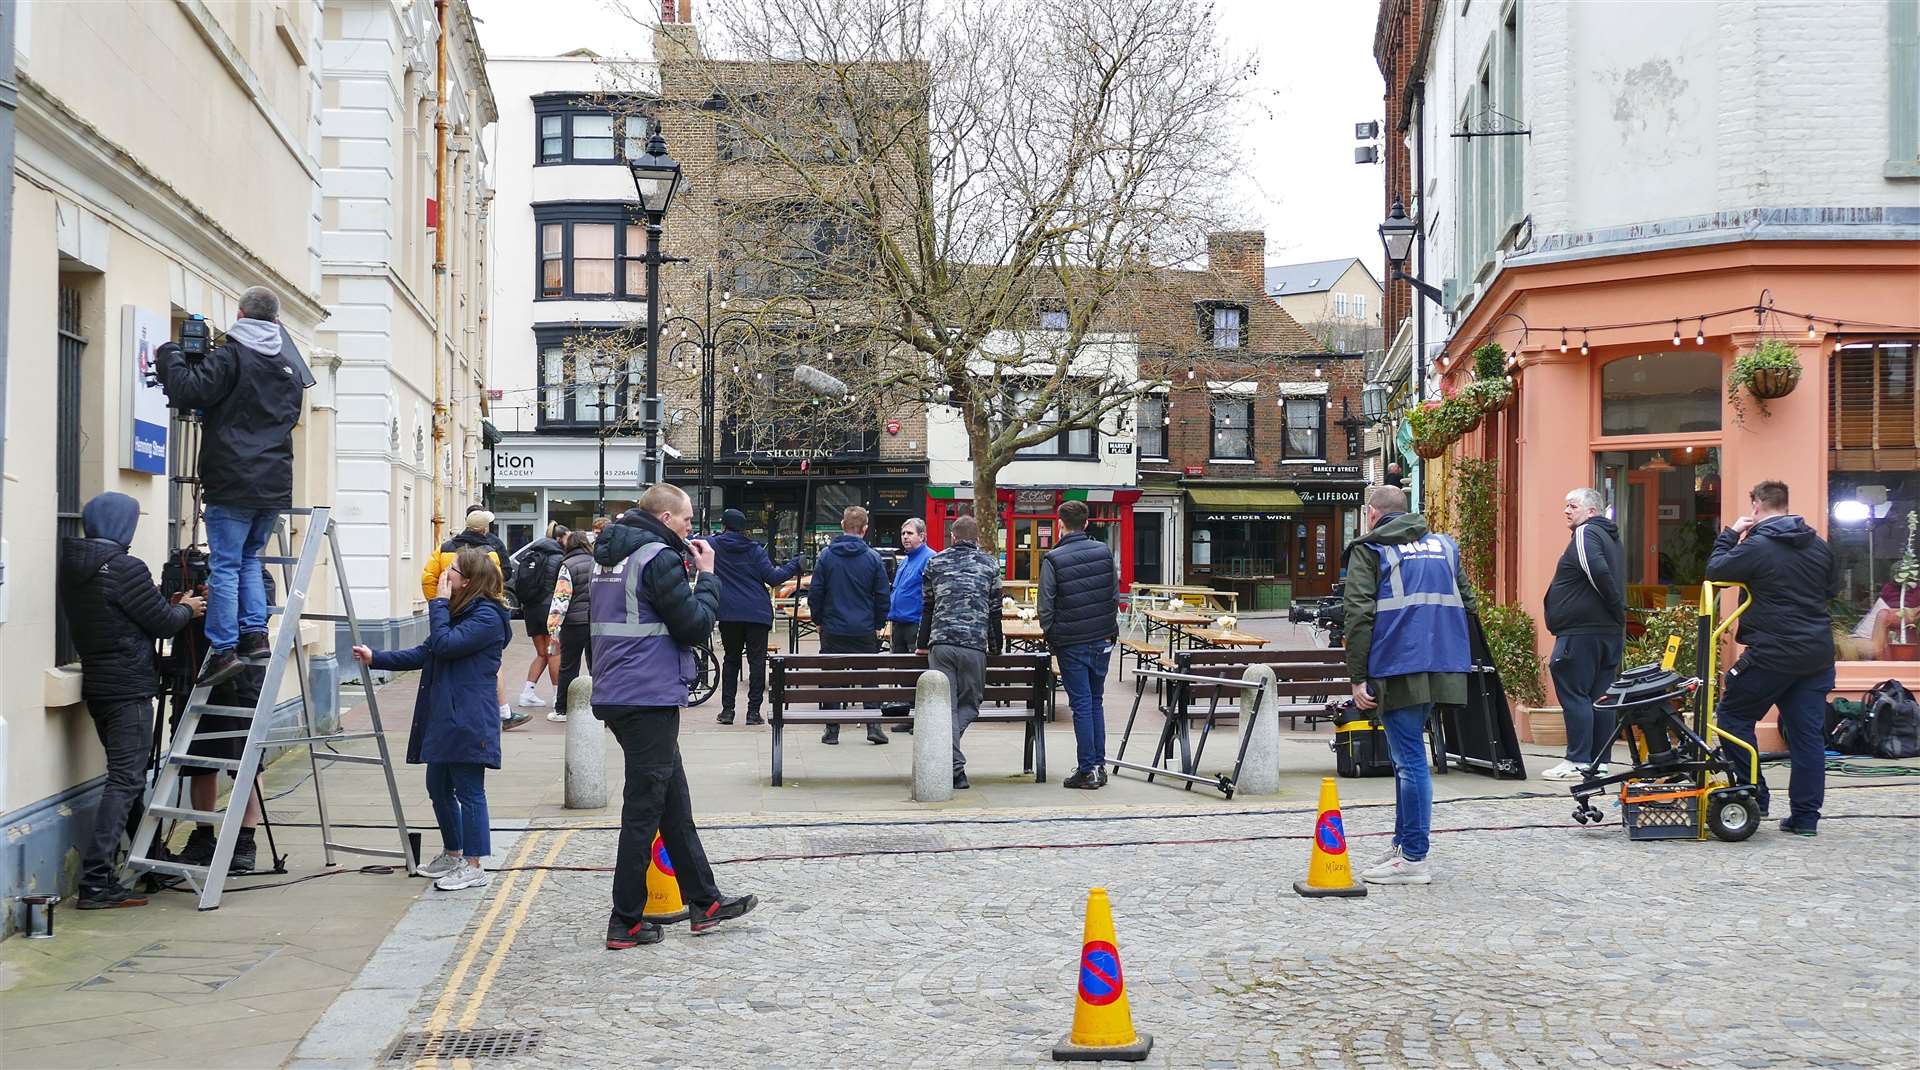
(456,729)
(533,585)
(570,618)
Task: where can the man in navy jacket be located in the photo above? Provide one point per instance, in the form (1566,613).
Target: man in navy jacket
(849,599)
(746,612)
(1790,572)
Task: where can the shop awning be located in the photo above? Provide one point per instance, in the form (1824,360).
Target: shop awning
(1243,499)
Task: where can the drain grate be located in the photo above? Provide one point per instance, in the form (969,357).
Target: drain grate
(465,1044)
(877,842)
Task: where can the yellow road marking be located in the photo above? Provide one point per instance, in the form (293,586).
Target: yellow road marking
(507,935)
(450,994)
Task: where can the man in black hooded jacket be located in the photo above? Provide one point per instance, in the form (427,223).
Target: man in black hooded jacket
(114,614)
(1788,662)
(1586,611)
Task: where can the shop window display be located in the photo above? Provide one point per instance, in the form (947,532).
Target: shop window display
(1667,505)
(1873,483)
(1661,394)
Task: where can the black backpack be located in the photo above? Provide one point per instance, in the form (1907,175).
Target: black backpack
(1893,721)
(533,581)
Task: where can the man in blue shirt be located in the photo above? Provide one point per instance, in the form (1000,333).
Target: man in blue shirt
(903,612)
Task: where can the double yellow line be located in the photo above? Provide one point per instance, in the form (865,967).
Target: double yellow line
(450,995)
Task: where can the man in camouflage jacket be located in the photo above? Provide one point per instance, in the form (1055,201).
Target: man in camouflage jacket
(960,625)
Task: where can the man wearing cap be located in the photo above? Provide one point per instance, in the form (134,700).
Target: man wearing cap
(746,612)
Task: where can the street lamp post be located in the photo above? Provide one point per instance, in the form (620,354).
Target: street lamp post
(708,335)
(1399,234)
(656,178)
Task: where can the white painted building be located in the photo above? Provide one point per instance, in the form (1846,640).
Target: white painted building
(405,258)
(563,220)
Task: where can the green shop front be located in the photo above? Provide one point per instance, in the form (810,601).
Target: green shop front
(1271,542)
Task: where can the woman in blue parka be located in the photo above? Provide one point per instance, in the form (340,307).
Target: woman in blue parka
(456,720)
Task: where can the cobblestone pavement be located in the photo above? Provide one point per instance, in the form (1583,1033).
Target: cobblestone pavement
(953,941)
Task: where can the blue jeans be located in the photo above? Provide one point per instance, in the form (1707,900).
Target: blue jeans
(1083,670)
(1751,692)
(236,592)
(459,794)
(1413,781)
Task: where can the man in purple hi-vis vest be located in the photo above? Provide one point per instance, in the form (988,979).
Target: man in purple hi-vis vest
(653,601)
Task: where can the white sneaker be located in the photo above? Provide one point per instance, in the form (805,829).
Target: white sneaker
(1399,871)
(469,875)
(1564,771)
(557,717)
(529,697)
(441,865)
(1392,853)
(1600,771)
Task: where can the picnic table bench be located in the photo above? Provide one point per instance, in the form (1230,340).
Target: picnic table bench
(1019,690)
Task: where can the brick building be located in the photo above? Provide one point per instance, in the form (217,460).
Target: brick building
(1249,464)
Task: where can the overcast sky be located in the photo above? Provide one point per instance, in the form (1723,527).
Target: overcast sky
(1317,79)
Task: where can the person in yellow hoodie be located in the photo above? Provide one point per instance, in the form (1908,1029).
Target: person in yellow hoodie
(479,535)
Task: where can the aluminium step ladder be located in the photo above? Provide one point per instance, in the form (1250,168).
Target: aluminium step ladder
(163,803)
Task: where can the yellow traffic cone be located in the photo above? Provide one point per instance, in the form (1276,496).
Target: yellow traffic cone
(1102,1020)
(1330,872)
(664,904)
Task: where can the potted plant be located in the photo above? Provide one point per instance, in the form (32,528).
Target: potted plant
(1769,371)
(1906,575)
(1488,395)
(1424,424)
(1490,362)
(1510,642)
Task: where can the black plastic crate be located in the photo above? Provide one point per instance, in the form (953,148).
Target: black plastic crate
(1661,819)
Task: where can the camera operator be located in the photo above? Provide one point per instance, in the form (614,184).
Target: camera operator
(249,391)
(114,613)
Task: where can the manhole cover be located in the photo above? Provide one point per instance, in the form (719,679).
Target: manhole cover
(465,1044)
(872,842)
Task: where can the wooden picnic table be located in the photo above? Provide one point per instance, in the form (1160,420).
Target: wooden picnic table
(1221,638)
(1228,600)
(1171,621)
(1024,636)
(1021,590)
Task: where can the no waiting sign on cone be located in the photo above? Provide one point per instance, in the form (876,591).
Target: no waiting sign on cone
(1102,1018)
(1329,871)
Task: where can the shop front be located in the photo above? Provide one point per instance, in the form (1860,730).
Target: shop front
(1030,522)
(1271,543)
(539,480)
(1643,415)
(790,507)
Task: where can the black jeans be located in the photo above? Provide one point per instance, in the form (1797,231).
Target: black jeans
(736,638)
(655,799)
(575,643)
(123,728)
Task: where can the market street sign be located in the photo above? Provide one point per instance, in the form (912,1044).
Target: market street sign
(1334,471)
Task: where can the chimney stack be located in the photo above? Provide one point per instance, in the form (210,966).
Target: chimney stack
(676,11)
(1240,252)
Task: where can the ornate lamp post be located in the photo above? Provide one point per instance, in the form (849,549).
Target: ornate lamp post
(656,178)
(706,337)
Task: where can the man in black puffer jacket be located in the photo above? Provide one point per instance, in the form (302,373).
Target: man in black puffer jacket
(1586,612)
(250,392)
(114,614)
(1079,613)
(1788,662)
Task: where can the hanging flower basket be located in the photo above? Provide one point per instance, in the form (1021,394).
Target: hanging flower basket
(1429,448)
(1774,383)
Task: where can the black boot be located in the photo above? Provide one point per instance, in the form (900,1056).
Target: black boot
(199,848)
(831,737)
(109,896)
(875,735)
(244,854)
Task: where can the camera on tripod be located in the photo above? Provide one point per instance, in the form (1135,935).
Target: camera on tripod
(196,336)
(1329,614)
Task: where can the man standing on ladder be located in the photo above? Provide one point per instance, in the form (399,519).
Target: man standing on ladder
(250,393)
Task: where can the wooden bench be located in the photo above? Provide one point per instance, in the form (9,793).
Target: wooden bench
(1144,656)
(1019,690)
(1308,680)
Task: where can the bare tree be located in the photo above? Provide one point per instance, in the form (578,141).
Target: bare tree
(957,202)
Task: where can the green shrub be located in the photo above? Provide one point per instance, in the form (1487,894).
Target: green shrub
(1510,637)
(1490,362)
(1681,620)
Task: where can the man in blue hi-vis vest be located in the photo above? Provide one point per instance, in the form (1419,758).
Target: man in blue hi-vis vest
(1407,650)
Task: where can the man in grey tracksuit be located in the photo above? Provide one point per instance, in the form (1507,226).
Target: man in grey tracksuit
(960,625)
